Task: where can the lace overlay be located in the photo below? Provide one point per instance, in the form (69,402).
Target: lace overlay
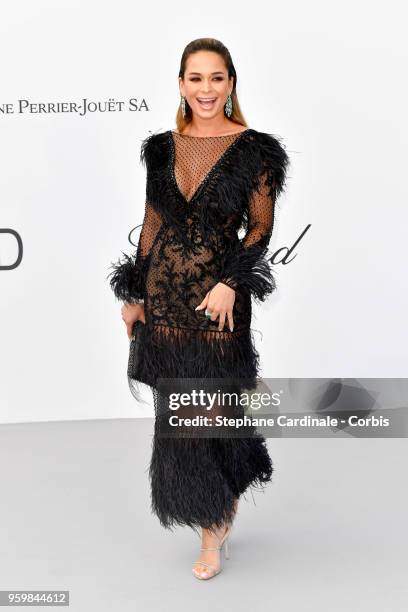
(179,277)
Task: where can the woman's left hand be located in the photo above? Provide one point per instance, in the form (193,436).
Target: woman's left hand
(219,302)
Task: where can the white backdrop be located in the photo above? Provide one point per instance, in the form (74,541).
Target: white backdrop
(329,78)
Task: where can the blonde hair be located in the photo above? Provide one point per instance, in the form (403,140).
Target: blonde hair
(209,44)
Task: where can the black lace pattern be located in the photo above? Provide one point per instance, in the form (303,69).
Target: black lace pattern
(188,244)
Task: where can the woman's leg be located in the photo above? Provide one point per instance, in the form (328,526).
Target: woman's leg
(210,538)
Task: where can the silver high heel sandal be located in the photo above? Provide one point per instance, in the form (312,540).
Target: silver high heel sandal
(222,541)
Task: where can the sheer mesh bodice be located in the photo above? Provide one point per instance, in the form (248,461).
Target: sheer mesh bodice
(195,157)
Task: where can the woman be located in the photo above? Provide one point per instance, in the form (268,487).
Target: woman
(187,290)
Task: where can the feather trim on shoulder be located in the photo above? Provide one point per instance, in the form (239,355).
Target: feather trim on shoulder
(152,151)
(275,161)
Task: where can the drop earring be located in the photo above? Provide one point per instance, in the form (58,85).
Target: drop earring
(228,106)
(183,106)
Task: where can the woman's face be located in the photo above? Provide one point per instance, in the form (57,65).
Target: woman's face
(206,85)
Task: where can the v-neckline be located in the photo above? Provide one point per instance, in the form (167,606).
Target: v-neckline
(208,175)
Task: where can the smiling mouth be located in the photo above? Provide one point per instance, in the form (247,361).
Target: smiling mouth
(206,102)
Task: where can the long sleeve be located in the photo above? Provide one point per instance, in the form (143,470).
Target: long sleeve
(128,276)
(245,264)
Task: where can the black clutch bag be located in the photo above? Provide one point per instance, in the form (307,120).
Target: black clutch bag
(135,349)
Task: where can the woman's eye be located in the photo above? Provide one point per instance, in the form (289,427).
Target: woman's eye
(197,78)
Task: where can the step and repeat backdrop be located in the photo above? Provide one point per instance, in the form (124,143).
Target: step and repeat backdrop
(83,84)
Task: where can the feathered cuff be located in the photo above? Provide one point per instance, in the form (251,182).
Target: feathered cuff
(128,278)
(248,268)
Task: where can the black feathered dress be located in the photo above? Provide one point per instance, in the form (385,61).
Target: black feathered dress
(199,192)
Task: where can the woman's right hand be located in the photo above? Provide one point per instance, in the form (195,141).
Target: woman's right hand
(132,313)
